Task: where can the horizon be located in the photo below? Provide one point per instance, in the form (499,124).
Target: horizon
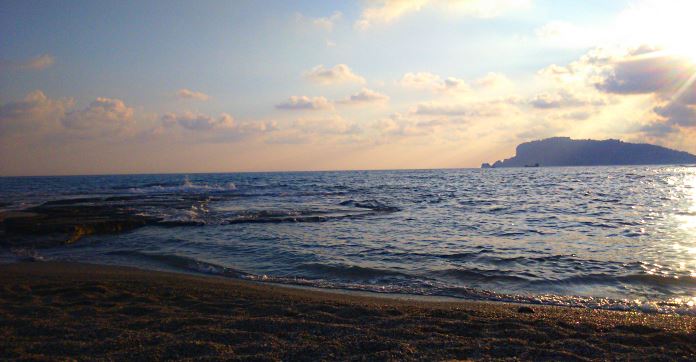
(352,170)
(119,88)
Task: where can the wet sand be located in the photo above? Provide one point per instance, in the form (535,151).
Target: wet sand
(64,310)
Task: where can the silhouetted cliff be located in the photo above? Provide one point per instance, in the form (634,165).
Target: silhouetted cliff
(563,151)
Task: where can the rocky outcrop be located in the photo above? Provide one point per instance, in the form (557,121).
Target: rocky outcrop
(563,151)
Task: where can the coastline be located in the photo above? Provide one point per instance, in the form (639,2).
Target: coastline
(52,310)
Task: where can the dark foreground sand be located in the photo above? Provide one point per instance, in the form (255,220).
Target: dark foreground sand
(87,312)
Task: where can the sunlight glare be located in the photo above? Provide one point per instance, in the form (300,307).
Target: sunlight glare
(667,24)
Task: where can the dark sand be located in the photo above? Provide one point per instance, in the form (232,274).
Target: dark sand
(87,312)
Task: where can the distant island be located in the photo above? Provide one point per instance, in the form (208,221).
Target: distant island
(563,151)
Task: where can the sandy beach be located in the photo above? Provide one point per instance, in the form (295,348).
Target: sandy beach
(57,311)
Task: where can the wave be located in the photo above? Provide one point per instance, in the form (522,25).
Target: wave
(371,205)
(654,280)
(182,263)
(185,186)
(480,275)
(344,271)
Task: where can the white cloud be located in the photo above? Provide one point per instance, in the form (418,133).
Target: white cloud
(327,23)
(365,96)
(340,73)
(305,103)
(566,35)
(452,84)
(433,82)
(40,62)
(493,80)
(379,12)
(421,80)
(184,93)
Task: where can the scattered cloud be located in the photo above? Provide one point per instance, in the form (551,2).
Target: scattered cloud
(103,114)
(365,96)
(39,113)
(198,122)
(340,73)
(381,12)
(433,82)
(478,109)
(35,111)
(563,99)
(327,23)
(204,128)
(421,80)
(305,103)
(566,35)
(184,93)
(452,84)
(493,80)
(40,62)
(665,83)
(334,125)
(411,125)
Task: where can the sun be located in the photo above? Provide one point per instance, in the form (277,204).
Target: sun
(666,24)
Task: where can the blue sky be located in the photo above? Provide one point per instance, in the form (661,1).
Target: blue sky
(439,83)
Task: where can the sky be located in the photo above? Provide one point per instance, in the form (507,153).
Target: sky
(105,87)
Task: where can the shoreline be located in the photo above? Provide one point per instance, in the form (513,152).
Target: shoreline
(60,310)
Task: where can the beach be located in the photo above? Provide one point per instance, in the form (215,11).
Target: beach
(57,311)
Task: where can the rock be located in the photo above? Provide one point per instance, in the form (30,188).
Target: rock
(525,309)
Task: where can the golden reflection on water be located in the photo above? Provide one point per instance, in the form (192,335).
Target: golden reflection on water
(688,225)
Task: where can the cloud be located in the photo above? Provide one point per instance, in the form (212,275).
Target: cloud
(365,96)
(326,23)
(40,62)
(204,128)
(33,112)
(480,109)
(37,114)
(340,73)
(386,11)
(380,12)
(433,82)
(672,117)
(452,84)
(657,74)
(664,82)
(493,80)
(406,125)
(102,114)
(567,35)
(420,80)
(327,126)
(184,93)
(563,99)
(198,122)
(305,103)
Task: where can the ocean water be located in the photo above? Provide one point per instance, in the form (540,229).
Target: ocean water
(600,237)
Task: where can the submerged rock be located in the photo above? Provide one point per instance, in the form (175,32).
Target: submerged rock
(66,224)
(68,220)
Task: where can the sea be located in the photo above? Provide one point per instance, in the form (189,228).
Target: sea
(621,238)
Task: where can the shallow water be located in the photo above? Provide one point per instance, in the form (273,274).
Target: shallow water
(609,237)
